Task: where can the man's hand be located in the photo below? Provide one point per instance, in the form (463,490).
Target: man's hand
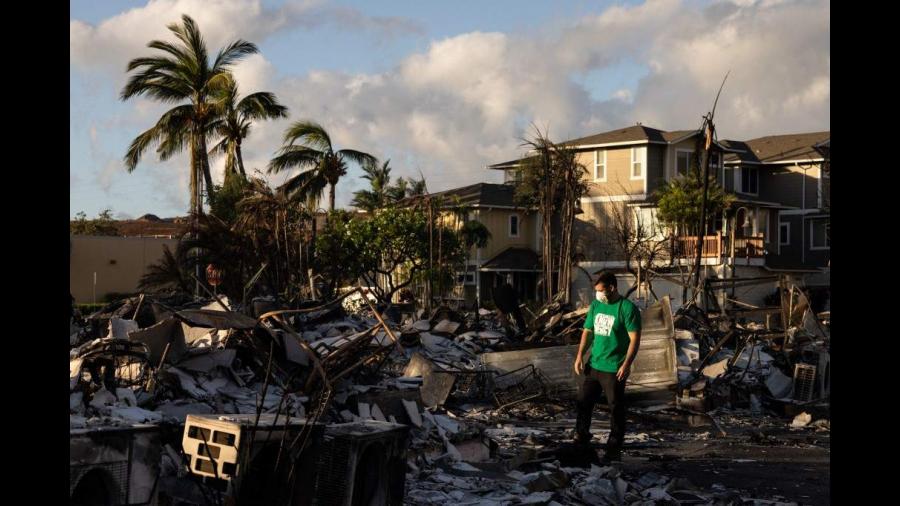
(579,365)
(624,371)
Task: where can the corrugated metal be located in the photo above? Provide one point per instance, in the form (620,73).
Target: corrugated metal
(654,369)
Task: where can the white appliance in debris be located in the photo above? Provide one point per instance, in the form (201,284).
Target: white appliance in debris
(254,462)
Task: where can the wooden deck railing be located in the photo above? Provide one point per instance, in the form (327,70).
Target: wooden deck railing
(752,247)
(686,246)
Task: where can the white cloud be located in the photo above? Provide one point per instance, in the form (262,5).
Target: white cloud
(114,41)
(467,100)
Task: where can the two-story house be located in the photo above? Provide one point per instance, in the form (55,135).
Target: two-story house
(624,168)
(510,254)
(790,170)
(778,219)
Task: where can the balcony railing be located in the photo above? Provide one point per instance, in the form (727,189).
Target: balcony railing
(749,247)
(686,246)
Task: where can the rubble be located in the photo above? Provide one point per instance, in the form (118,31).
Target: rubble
(490,413)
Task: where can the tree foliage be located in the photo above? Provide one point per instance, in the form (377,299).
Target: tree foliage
(103,224)
(389,249)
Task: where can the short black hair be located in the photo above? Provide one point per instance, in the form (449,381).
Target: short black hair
(606,277)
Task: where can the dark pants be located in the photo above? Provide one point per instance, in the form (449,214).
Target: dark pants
(588,395)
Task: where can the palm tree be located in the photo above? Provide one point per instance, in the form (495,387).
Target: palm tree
(236,117)
(379,181)
(316,153)
(182,74)
(416,187)
(406,187)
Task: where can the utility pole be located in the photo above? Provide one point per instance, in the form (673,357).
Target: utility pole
(701,229)
(709,130)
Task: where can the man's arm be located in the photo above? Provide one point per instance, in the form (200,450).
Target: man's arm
(633,345)
(579,362)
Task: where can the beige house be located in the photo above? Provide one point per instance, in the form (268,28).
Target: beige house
(774,179)
(511,253)
(779,221)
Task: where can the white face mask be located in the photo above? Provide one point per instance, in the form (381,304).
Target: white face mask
(601,296)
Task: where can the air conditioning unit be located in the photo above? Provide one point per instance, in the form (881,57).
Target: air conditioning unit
(804,382)
(114,465)
(230,458)
(362,464)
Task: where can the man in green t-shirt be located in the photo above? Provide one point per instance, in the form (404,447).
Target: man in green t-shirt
(615,323)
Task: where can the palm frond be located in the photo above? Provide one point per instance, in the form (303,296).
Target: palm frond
(232,53)
(358,156)
(308,133)
(261,105)
(291,157)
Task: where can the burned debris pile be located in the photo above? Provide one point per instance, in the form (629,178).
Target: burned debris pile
(473,411)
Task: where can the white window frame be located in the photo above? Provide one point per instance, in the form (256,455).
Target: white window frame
(782,224)
(741,179)
(677,152)
(518,225)
(812,239)
(597,164)
(642,160)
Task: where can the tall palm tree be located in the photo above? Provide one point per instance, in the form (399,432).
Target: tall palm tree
(315,152)
(235,119)
(416,187)
(379,181)
(182,74)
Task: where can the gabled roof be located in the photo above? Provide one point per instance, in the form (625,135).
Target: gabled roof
(513,259)
(678,135)
(779,148)
(512,164)
(481,194)
(636,133)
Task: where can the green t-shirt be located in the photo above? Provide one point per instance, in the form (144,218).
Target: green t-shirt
(610,324)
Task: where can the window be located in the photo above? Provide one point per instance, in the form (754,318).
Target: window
(512,176)
(514,225)
(646,223)
(819,234)
(683,162)
(637,162)
(728,179)
(750,180)
(467,278)
(600,165)
(784,234)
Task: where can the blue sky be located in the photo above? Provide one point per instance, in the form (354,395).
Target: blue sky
(447,87)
